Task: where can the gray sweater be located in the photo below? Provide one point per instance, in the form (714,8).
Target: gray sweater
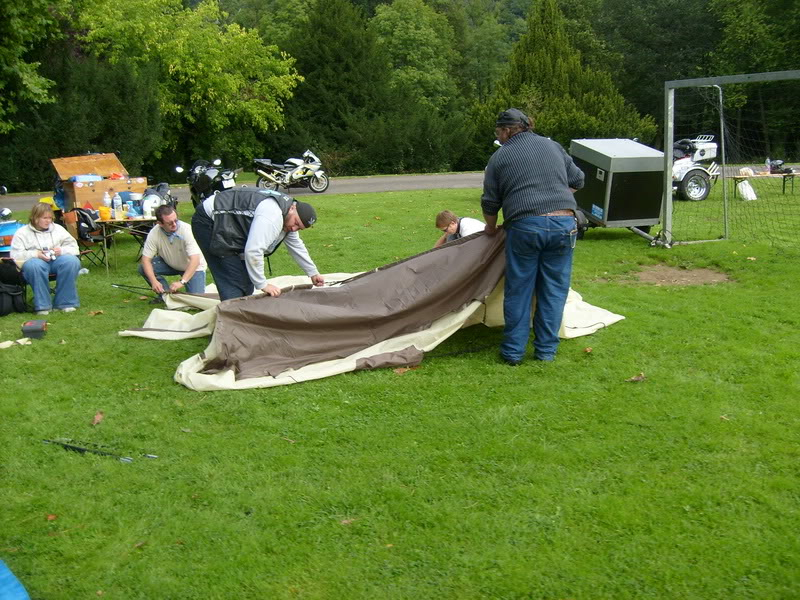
(529,175)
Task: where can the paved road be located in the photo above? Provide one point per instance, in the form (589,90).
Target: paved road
(344,185)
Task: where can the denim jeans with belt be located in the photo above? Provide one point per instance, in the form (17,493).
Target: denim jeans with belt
(230,272)
(538,262)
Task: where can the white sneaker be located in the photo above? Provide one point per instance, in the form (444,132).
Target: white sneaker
(42,312)
(68,309)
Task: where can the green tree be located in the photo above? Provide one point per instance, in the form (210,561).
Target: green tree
(418,43)
(786,23)
(758,37)
(345,78)
(369,6)
(656,41)
(22,26)
(407,136)
(748,43)
(481,45)
(566,99)
(97,107)
(485,56)
(273,19)
(346,109)
(215,78)
(581,20)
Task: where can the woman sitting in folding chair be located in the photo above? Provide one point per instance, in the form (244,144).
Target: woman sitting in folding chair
(44,248)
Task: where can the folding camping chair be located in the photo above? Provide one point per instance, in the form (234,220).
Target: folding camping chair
(92,245)
(139,232)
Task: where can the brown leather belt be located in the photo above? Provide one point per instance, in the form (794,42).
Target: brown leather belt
(559,213)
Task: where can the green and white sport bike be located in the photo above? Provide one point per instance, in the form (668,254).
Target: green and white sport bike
(295,172)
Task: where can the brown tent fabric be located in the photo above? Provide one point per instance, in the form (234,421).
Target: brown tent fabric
(260,335)
(387,317)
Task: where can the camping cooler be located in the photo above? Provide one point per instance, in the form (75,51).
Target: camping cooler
(624,182)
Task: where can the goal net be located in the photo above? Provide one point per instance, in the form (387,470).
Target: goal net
(733,146)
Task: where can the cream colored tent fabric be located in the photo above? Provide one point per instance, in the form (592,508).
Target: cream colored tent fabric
(387,317)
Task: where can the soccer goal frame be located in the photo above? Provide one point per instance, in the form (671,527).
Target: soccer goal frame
(665,237)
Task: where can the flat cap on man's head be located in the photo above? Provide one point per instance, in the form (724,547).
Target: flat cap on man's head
(511,117)
(306,213)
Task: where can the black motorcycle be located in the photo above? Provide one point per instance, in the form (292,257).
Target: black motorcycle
(207,178)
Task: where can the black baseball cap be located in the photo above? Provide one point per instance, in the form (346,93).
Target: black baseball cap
(512,116)
(306,213)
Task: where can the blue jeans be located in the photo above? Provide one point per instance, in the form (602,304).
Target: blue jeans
(196,285)
(538,262)
(230,272)
(37,272)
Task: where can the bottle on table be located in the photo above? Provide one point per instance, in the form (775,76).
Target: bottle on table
(117,210)
(105,208)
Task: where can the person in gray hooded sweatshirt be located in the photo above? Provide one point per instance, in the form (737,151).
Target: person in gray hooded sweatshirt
(43,247)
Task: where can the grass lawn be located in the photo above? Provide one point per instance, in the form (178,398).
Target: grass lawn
(464,478)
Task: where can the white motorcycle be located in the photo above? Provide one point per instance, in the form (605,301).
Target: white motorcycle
(690,179)
(295,172)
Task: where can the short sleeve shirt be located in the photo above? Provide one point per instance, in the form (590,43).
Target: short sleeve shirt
(175,251)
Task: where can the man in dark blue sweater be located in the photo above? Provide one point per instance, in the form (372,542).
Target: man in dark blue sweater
(532,179)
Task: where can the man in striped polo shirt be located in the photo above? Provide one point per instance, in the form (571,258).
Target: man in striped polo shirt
(532,179)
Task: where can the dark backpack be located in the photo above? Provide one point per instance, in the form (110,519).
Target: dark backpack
(86,222)
(12,299)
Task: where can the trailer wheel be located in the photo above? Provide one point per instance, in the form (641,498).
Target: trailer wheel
(695,186)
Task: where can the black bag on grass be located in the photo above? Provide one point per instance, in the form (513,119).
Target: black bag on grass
(9,273)
(12,299)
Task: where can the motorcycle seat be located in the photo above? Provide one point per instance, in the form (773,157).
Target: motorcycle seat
(266,162)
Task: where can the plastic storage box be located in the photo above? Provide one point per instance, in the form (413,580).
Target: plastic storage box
(624,182)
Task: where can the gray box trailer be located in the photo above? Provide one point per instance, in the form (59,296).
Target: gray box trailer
(624,182)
